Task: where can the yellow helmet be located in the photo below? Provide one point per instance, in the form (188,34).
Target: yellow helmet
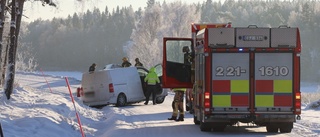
(125,59)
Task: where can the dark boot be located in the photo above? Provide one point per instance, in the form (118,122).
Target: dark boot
(173,118)
(181,118)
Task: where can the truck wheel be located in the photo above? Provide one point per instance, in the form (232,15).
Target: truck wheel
(218,127)
(205,127)
(159,100)
(195,120)
(121,100)
(286,127)
(191,111)
(272,129)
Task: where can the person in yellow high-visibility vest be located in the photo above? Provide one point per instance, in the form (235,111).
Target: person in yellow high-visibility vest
(177,104)
(151,79)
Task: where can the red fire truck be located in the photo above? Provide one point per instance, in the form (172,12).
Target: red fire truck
(238,74)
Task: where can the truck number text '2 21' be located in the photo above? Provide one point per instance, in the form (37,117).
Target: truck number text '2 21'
(264,71)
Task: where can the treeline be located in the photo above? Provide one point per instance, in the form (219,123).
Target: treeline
(78,41)
(103,36)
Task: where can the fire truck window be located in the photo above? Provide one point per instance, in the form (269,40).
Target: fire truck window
(174,50)
(175,63)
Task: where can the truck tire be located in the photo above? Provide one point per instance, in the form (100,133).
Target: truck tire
(121,100)
(160,100)
(1,133)
(272,128)
(285,130)
(195,120)
(218,127)
(205,127)
(286,127)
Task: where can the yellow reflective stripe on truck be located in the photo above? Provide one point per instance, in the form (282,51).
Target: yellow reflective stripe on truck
(230,93)
(277,91)
(239,86)
(264,101)
(282,86)
(221,101)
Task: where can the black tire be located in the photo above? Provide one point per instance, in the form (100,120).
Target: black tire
(191,111)
(285,130)
(195,120)
(1,132)
(205,127)
(286,127)
(219,127)
(272,129)
(160,100)
(121,100)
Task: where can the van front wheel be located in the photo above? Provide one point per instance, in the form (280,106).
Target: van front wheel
(121,100)
(159,100)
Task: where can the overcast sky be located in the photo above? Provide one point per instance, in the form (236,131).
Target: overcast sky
(68,7)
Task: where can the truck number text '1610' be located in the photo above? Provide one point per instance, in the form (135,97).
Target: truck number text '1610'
(264,71)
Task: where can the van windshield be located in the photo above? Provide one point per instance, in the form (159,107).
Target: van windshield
(143,71)
(158,69)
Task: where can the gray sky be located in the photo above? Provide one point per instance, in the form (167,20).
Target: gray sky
(68,7)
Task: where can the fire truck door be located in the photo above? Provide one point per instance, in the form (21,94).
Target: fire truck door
(273,82)
(176,72)
(230,82)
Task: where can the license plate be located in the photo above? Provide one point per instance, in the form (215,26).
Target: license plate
(89,94)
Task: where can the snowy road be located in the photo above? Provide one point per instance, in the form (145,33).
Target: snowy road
(136,120)
(149,120)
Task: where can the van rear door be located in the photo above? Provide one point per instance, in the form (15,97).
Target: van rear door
(90,89)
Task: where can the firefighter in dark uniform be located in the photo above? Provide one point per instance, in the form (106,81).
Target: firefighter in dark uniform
(187,55)
(138,63)
(188,60)
(92,67)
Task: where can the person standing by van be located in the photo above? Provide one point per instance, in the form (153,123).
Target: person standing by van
(138,63)
(151,79)
(92,67)
(125,62)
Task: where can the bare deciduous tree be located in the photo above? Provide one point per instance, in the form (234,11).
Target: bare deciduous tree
(2,21)
(150,30)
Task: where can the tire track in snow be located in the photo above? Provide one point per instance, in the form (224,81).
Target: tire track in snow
(306,129)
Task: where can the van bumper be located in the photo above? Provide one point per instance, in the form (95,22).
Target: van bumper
(96,103)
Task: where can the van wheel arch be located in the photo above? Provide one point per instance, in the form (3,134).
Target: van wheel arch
(121,100)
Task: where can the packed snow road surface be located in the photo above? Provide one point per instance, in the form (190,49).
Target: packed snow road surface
(37,111)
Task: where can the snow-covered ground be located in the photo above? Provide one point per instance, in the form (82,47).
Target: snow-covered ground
(38,109)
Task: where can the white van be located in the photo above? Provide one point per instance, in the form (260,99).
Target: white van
(117,85)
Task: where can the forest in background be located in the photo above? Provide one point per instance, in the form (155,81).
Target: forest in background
(104,37)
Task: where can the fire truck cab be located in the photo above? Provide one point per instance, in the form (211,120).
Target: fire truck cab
(238,74)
